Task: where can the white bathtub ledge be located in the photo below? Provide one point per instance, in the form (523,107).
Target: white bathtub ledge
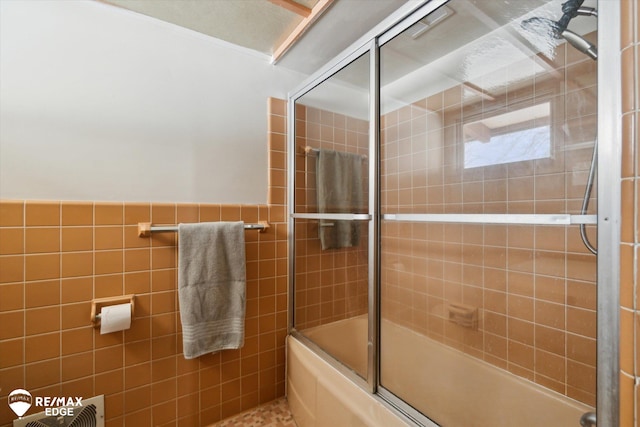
(335,400)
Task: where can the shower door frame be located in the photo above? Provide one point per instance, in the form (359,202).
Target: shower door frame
(608,217)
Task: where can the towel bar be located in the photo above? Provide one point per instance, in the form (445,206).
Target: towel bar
(146,228)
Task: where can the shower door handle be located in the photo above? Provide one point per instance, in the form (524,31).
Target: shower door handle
(588,419)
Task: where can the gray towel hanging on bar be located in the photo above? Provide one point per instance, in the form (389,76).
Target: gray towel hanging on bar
(339,190)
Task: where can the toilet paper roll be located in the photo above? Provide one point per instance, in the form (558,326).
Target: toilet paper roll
(115,318)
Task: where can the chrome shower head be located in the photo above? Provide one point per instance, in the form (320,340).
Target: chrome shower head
(555,29)
(580,44)
(542,25)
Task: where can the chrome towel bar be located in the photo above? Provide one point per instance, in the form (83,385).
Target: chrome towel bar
(146,228)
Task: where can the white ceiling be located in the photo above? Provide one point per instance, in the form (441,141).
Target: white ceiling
(263,25)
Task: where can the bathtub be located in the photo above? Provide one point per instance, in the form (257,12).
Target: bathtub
(453,388)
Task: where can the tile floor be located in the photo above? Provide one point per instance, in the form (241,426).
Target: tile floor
(272,414)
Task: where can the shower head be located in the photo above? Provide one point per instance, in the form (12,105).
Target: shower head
(581,44)
(542,25)
(557,30)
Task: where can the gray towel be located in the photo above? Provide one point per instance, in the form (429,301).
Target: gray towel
(211,286)
(339,190)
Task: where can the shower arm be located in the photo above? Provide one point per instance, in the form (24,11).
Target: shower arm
(587,11)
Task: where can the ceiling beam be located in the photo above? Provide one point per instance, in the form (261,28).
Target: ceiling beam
(292,6)
(478,91)
(302,27)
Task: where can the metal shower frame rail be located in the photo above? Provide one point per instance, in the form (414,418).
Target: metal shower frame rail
(527,219)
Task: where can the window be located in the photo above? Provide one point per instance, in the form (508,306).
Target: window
(515,136)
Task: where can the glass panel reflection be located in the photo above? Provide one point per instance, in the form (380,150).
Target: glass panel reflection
(331,256)
(481,115)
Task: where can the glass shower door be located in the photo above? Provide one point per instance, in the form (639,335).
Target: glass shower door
(331,219)
(488,296)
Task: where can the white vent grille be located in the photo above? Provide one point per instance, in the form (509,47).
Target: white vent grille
(91,414)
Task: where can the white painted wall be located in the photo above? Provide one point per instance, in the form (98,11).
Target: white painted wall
(99,103)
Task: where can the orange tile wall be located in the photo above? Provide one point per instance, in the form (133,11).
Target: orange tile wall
(630,230)
(331,284)
(56,256)
(534,286)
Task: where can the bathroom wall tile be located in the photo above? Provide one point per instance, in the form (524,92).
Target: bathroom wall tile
(277,142)
(550,365)
(163,280)
(11,241)
(108,285)
(628,79)
(11,324)
(108,238)
(137,260)
(276,106)
(77,213)
(78,387)
(627,323)
(11,295)
(42,213)
(164,324)
(75,264)
(164,414)
(11,213)
(76,315)
(137,399)
(627,23)
(137,375)
(626,275)
(109,358)
(137,282)
(637,19)
(39,294)
(42,347)
(163,302)
(628,145)
(230,213)
(77,340)
(41,267)
(109,213)
(163,347)
(143,305)
(165,257)
(42,240)
(108,262)
(187,213)
(132,240)
(11,352)
(163,213)
(11,268)
(77,239)
(42,374)
(42,320)
(77,289)
(581,322)
(209,213)
(137,212)
(114,408)
(77,366)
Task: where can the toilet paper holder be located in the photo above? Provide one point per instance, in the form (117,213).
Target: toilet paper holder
(98,303)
